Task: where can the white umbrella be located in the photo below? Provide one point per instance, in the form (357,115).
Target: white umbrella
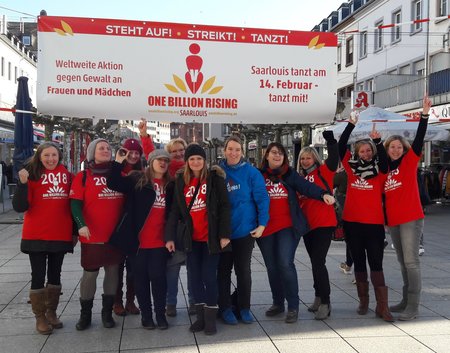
(387,123)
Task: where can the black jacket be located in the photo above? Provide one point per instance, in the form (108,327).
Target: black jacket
(138,204)
(218,210)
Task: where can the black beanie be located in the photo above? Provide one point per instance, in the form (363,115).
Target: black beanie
(194,150)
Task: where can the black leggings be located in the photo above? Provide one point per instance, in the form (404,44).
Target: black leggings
(39,267)
(366,241)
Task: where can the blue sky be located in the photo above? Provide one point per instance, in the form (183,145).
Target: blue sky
(282,14)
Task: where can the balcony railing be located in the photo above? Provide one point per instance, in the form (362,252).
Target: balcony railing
(439,82)
(402,94)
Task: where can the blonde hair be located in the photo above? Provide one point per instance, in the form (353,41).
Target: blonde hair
(403,141)
(172,142)
(360,143)
(313,152)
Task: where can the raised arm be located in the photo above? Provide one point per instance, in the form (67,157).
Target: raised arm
(343,140)
(146,139)
(422,128)
(115,180)
(381,152)
(332,161)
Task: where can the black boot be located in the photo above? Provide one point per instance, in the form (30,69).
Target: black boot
(107,307)
(210,320)
(86,314)
(199,324)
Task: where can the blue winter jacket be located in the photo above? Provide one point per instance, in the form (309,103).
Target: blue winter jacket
(248,198)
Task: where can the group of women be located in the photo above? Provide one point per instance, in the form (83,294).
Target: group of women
(178,207)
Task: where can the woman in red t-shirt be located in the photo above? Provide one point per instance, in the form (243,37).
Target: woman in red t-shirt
(404,212)
(43,194)
(141,234)
(363,216)
(134,151)
(201,205)
(96,210)
(321,218)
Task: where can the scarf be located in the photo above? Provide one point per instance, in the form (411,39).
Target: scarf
(310,169)
(365,170)
(275,175)
(102,168)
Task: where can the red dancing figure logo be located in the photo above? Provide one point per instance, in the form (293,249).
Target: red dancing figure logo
(194,62)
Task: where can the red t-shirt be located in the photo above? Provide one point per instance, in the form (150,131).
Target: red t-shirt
(363,202)
(175,165)
(198,211)
(48,216)
(279,211)
(147,145)
(102,207)
(152,233)
(318,213)
(402,192)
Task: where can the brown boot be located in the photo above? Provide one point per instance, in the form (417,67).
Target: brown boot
(37,298)
(382,309)
(130,307)
(363,294)
(52,294)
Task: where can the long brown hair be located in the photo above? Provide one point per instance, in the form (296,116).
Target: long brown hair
(34,165)
(188,173)
(148,175)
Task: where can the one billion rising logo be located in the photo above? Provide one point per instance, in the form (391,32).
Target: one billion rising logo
(193,76)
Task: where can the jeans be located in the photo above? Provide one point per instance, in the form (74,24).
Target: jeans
(317,243)
(406,238)
(278,251)
(172,276)
(202,267)
(240,257)
(42,262)
(149,268)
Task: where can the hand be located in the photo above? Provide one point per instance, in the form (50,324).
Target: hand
(142,126)
(23,176)
(84,232)
(257,232)
(374,134)
(354,116)
(224,242)
(328,136)
(170,246)
(121,155)
(328,199)
(426,104)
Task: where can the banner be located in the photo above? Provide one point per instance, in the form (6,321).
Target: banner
(120,69)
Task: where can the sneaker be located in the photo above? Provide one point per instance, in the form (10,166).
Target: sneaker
(148,323)
(228,317)
(345,268)
(246,317)
(161,322)
(421,250)
(291,316)
(274,310)
(354,281)
(392,246)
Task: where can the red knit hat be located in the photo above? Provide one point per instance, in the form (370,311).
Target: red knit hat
(133,145)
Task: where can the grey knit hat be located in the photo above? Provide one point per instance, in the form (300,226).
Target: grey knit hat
(90,153)
(157,154)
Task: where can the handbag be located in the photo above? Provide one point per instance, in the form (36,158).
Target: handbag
(338,233)
(183,236)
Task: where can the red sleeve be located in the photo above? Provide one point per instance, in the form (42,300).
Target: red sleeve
(147,145)
(77,189)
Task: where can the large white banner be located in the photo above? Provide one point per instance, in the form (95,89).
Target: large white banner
(120,69)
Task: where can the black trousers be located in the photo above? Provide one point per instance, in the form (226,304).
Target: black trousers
(240,257)
(45,262)
(149,270)
(317,243)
